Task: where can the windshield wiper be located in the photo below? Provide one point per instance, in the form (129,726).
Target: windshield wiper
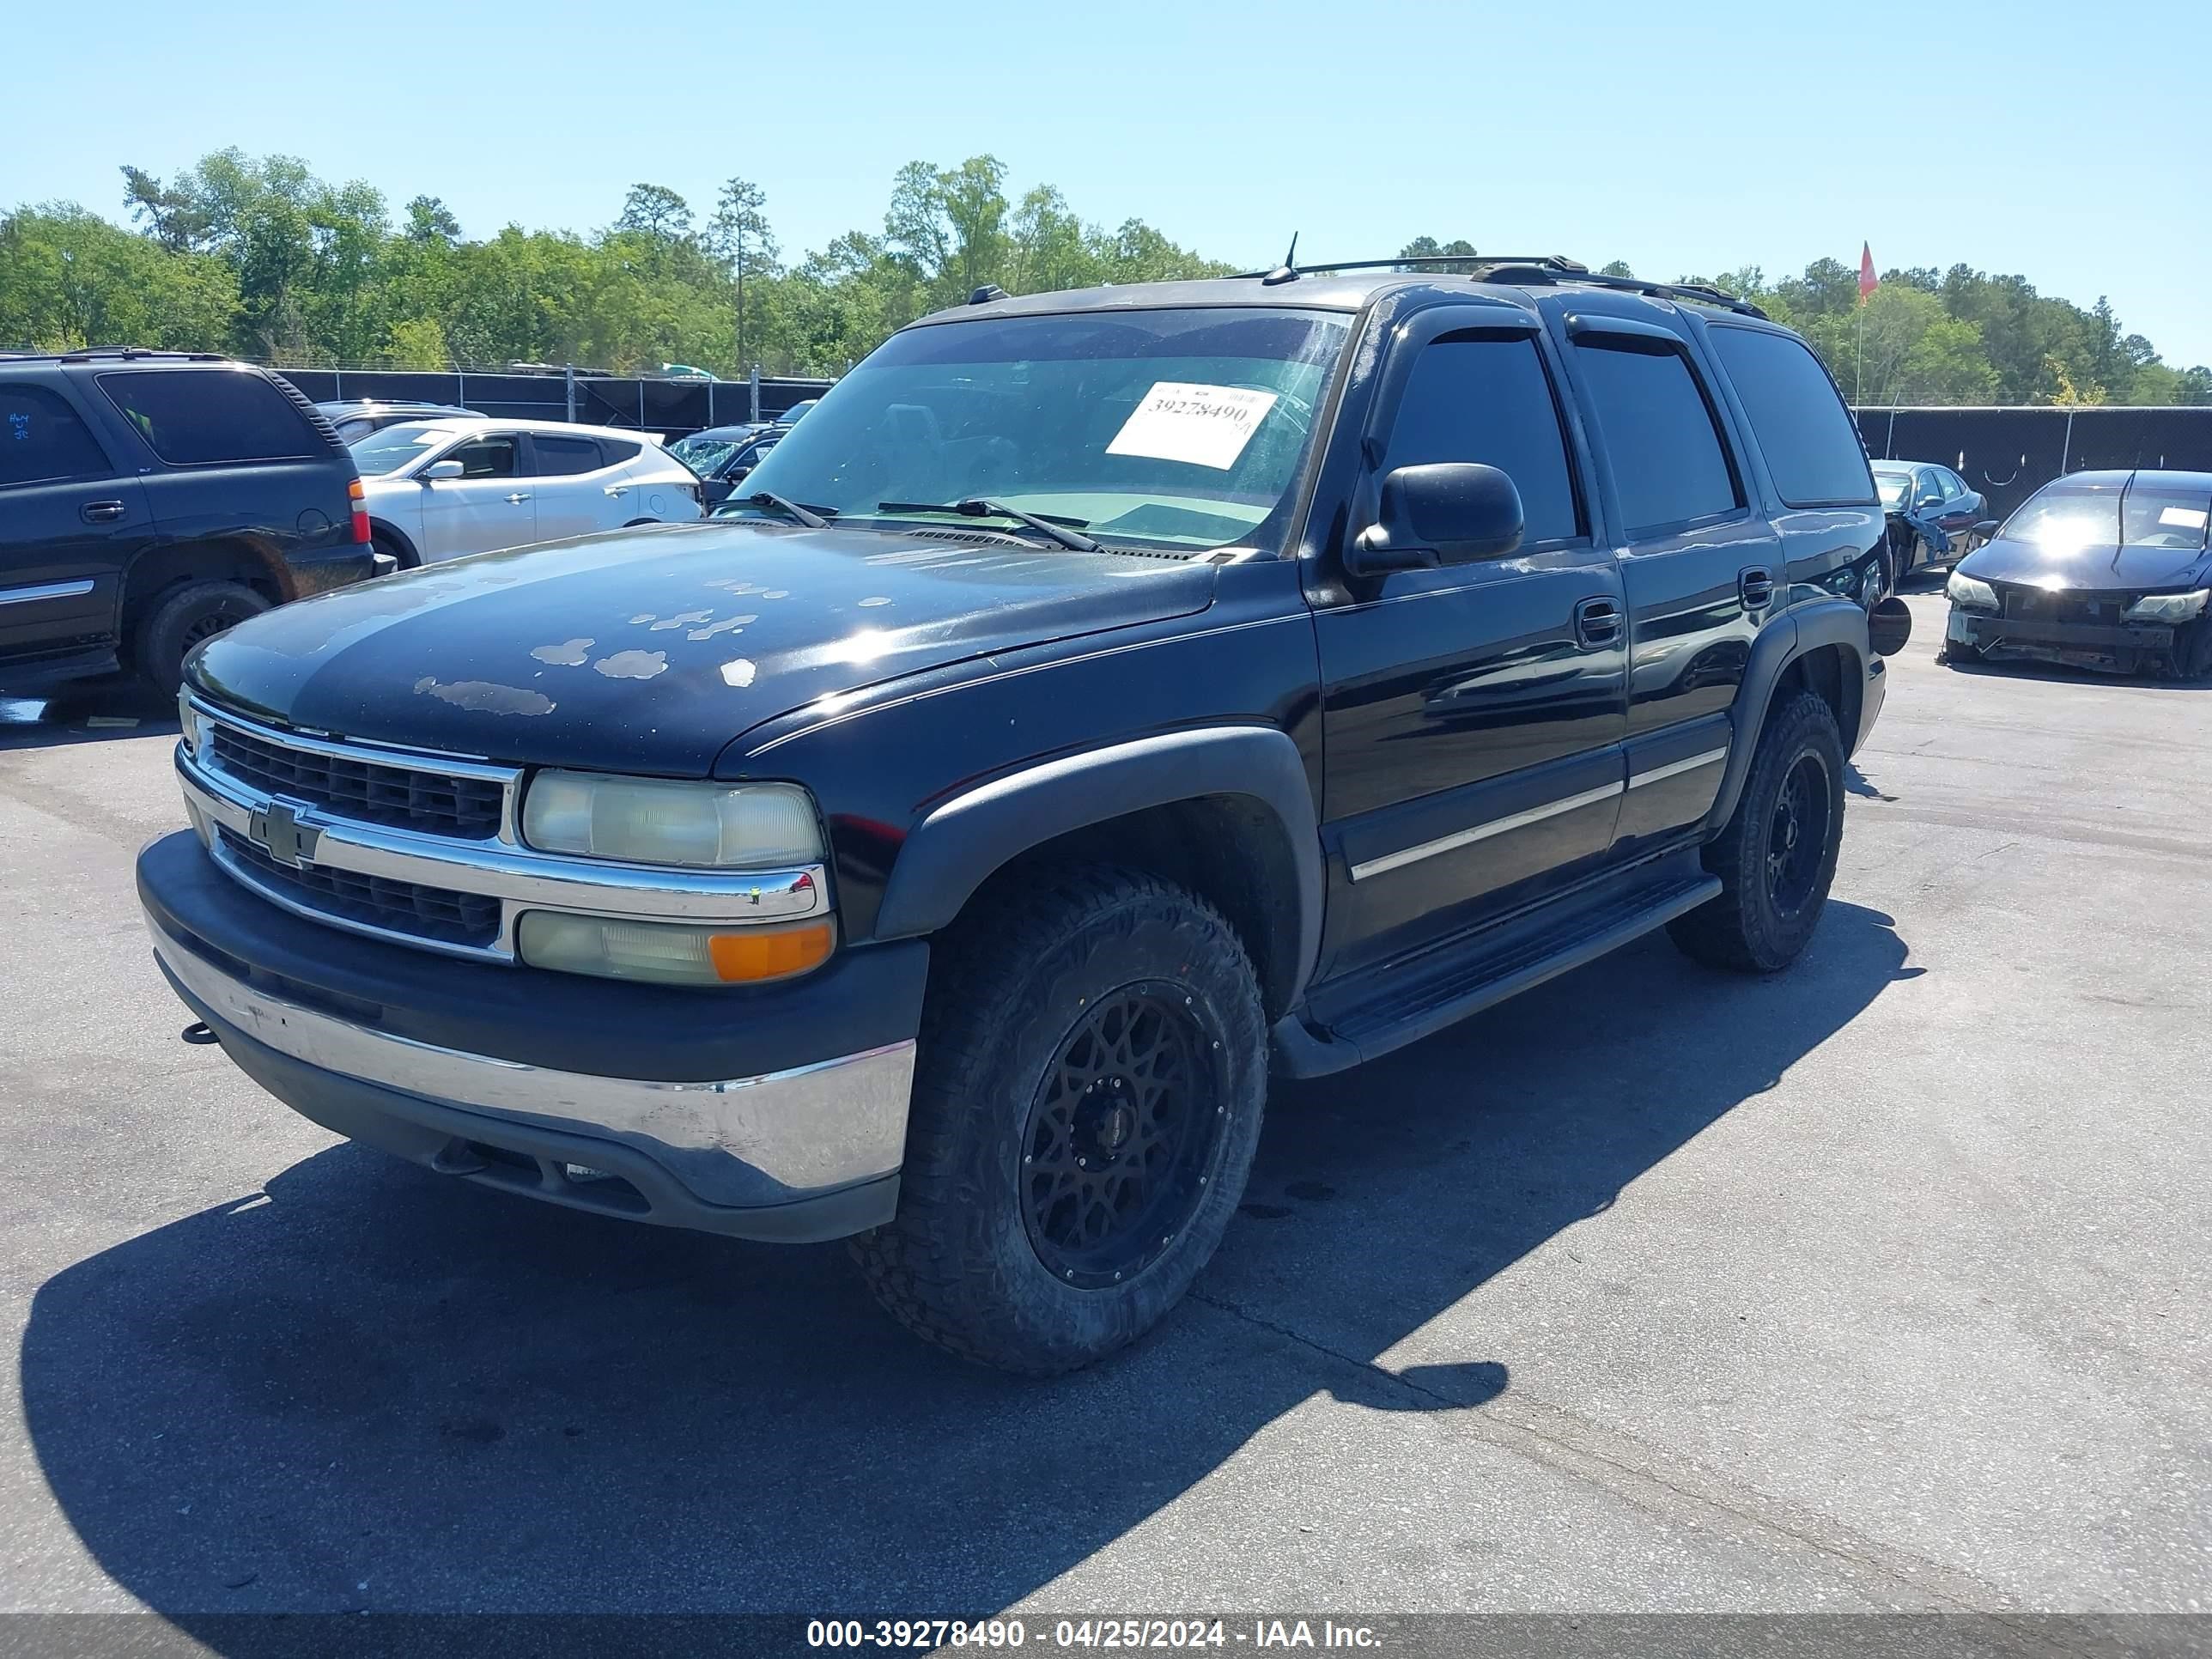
(1049,524)
(814,517)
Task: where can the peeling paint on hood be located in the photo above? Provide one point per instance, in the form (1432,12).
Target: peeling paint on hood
(346,663)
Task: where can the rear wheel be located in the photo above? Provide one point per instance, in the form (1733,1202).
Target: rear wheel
(1092,1074)
(1777,856)
(181,620)
(402,557)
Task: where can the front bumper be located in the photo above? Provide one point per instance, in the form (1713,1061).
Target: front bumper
(626,1099)
(2123,647)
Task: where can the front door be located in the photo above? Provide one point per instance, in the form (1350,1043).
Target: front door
(69,525)
(491,505)
(1473,715)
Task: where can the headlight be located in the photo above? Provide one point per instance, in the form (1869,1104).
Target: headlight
(671,953)
(1972,595)
(717,826)
(2169,607)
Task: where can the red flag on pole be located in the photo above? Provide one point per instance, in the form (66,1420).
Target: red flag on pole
(1868,281)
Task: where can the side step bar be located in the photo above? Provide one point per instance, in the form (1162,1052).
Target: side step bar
(1416,998)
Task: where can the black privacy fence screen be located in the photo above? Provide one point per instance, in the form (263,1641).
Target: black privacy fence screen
(671,408)
(2009,453)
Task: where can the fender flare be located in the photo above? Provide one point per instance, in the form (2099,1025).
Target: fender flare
(962,842)
(1781,642)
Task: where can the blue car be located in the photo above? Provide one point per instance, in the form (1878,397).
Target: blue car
(2104,570)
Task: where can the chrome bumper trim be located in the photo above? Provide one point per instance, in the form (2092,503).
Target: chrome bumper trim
(520,879)
(740,1142)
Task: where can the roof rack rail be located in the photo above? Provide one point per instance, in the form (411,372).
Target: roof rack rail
(80,354)
(1544,268)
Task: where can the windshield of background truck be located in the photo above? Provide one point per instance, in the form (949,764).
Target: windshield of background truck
(1169,429)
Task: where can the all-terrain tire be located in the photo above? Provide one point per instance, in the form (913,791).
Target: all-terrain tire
(1773,885)
(1015,993)
(180,621)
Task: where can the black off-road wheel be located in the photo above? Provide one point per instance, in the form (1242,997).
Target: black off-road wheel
(1777,856)
(180,621)
(1091,1077)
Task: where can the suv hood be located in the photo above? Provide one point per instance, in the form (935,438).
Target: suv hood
(2100,568)
(647,651)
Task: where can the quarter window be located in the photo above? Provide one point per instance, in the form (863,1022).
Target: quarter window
(1485,398)
(1811,445)
(203,417)
(1669,464)
(42,441)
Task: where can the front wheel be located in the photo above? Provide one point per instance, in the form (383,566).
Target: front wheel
(1093,1070)
(1778,856)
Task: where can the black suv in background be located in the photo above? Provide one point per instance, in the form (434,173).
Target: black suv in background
(1101,702)
(150,500)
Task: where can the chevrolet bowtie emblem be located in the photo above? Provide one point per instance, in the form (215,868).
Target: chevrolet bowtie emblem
(276,829)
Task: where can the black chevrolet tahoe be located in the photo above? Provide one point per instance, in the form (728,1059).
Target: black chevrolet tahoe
(1101,702)
(149,500)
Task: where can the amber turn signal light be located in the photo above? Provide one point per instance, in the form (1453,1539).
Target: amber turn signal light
(764,953)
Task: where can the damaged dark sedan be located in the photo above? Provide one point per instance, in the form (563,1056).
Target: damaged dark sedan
(2105,570)
(1933,513)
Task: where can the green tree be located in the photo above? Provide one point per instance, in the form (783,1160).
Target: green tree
(739,235)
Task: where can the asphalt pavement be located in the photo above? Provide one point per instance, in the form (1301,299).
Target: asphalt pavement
(1882,1284)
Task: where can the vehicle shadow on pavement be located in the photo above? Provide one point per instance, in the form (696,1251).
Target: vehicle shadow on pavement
(89,713)
(2057,673)
(368,1388)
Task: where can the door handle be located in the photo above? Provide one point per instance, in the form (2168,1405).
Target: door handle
(1597,622)
(618,490)
(100,511)
(1755,587)
(518,499)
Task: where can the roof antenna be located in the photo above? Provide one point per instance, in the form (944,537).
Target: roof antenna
(1287,271)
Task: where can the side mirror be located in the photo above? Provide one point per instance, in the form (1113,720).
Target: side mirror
(714,492)
(1447,512)
(438,470)
(738,475)
(1889,625)
(1987,528)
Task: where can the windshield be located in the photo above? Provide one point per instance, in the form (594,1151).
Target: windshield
(1892,486)
(2061,517)
(377,454)
(1175,429)
(703,454)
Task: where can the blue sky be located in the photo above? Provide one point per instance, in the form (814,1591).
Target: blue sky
(2067,143)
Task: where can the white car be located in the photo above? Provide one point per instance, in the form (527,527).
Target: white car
(439,489)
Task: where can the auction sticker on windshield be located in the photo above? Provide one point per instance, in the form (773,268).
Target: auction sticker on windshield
(1205,425)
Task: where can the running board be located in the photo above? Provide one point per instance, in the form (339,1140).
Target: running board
(1418,997)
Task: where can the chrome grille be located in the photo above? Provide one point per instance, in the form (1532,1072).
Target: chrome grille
(398,907)
(407,797)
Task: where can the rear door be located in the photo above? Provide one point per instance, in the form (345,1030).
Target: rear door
(492,504)
(577,491)
(1700,563)
(69,522)
(1472,714)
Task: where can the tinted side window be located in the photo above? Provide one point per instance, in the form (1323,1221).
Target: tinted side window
(618,452)
(557,457)
(1481,398)
(1811,445)
(485,458)
(194,417)
(43,441)
(1669,463)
